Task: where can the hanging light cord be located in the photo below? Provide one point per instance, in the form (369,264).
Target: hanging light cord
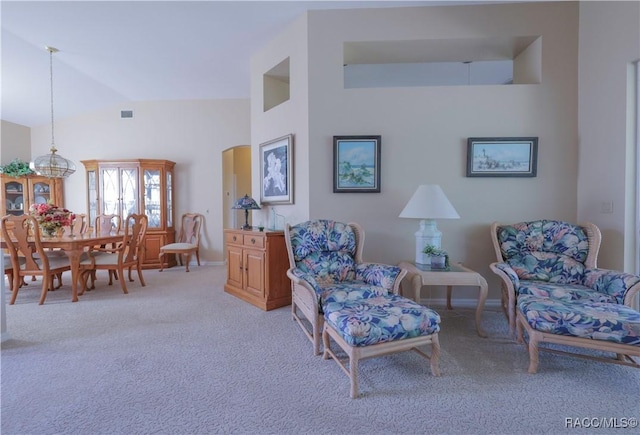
(51,51)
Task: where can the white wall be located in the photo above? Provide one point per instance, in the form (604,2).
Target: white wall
(609,44)
(15,142)
(424,129)
(191,133)
(292,116)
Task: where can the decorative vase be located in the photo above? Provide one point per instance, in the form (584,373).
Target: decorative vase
(51,231)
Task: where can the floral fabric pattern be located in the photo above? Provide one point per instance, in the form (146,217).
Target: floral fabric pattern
(596,320)
(565,293)
(324,253)
(350,290)
(610,282)
(376,274)
(328,267)
(545,250)
(380,319)
(321,236)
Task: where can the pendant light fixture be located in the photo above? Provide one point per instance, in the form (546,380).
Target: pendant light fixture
(52,165)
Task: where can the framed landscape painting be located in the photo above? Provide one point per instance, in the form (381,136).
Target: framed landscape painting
(502,157)
(276,163)
(356,163)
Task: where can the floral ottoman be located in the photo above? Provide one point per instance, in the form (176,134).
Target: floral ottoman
(584,323)
(381,325)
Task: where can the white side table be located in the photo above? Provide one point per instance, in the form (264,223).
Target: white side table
(456,275)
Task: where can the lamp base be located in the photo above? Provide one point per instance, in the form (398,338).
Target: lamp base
(246,225)
(428,234)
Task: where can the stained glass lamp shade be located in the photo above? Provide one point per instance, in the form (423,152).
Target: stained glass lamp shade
(246,203)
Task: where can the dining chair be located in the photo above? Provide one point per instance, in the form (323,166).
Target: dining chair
(188,241)
(28,256)
(80,224)
(106,223)
(125,255)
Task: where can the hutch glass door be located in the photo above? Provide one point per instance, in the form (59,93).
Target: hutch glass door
(14,198)
(152,197)
(119,191)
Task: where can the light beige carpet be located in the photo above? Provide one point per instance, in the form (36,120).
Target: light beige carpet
(180,356)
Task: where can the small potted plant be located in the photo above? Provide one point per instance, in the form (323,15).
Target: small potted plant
(439,257)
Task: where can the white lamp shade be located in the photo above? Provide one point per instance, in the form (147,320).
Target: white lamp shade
(429,202)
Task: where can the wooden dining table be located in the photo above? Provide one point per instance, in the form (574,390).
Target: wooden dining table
(73,246)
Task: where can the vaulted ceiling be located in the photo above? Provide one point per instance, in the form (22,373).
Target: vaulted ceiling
(115,52)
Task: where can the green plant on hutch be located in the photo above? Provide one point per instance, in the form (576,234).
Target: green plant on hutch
(17,168)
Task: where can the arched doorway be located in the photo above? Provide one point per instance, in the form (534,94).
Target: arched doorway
(236,182)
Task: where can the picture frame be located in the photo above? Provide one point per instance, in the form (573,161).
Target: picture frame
(502,156)
(356,164)
(276,169)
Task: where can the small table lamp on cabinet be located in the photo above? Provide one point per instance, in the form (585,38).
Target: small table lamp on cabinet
(428,203)
(246,203)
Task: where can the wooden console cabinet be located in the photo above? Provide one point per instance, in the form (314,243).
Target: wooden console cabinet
(257,264)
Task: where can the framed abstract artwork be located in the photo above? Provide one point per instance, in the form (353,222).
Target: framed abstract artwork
(276,164)
(502,156)
(356,163)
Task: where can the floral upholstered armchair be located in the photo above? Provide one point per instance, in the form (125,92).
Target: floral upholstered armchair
(325,259)
(553,289)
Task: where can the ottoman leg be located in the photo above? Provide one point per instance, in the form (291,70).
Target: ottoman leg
(435,355)
(533,353)
(353,375)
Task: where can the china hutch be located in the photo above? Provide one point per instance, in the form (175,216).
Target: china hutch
(128,186)
(18,193)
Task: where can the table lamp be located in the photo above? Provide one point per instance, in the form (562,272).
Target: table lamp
(428,203)
(246,203)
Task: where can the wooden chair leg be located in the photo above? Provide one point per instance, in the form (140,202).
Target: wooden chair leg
(160,258)
(316,329)
(83,279)
(187,260)
(46,282)
(15,288)
(198,256)
(122,280)
(140,275)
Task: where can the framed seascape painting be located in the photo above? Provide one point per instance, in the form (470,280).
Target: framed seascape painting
(356,164)
(276,164)
(502,157)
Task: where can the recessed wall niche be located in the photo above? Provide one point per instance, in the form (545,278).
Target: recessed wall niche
(443,62)
(275,85)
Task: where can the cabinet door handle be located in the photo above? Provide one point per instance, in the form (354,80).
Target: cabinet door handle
(234,238)
(253,241)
